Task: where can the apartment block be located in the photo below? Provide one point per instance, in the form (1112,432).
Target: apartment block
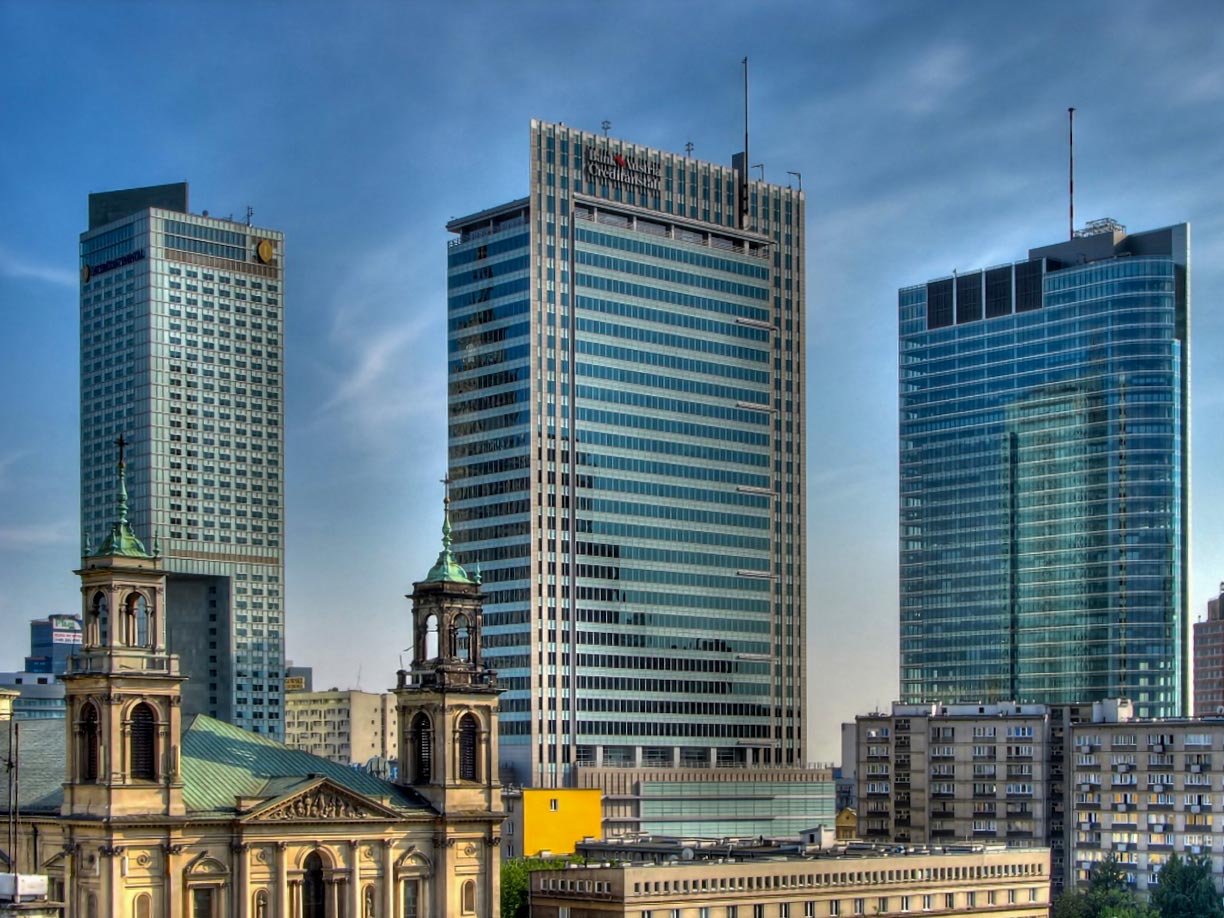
(1144,790)
(350,727)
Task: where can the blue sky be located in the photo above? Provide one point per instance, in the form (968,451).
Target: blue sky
(930,137)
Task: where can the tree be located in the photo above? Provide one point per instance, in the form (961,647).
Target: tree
(1106,896)
(516,881)
(1186,889)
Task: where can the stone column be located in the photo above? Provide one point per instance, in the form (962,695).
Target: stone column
(388,884)
(284,907)
(332,886)
(354,892)
(241,886)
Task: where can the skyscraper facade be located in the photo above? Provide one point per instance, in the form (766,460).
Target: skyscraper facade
(626,439)
(1045,438)
(182,324)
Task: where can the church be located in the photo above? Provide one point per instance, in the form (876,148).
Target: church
(132,809)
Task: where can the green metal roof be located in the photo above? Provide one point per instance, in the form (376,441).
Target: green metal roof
(221,762)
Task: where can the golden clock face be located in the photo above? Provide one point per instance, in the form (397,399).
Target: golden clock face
(265,251)
(84,274)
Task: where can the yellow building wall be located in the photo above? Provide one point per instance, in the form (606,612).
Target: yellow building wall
(556,820)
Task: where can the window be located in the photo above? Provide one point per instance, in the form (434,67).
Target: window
(469,731)
(89,742)
(143,743)
(552,804)
(202,902)
(421,738)
(412,892)
(314,892)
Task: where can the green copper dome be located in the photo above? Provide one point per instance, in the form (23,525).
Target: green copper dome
(121,540)
(447,569)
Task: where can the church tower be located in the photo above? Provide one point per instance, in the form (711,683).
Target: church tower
(123,690)
(447,707)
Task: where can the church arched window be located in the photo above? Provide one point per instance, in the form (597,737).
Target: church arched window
(431,637)
(95,628)
(463,638)
(143,743)
(314,899)
(89,742)
(422,748)
(469,733)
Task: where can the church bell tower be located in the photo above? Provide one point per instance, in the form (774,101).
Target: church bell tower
(447,702)
(123,690)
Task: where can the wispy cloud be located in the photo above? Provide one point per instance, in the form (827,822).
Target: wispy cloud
(37,535)
(385,369)
(7,461)
(13,265)
(937,74)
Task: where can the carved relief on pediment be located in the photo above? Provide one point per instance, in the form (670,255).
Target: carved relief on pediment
(321,804)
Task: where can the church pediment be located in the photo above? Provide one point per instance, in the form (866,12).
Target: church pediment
(322,801)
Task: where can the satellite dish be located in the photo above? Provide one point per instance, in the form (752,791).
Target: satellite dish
(686,854)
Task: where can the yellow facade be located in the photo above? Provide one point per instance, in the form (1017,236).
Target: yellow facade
(540,819)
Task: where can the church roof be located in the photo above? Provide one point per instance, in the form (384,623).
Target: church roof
(219,763)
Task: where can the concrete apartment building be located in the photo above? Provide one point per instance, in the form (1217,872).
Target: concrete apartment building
(939,774)
(852,881)
(1209,659)
(1146,789)
(350,727)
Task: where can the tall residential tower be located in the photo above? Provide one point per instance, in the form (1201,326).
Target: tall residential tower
(181,355)
(1045,474)
(627,443)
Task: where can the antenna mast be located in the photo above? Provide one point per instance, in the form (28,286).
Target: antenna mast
(1071,173)
(743,189)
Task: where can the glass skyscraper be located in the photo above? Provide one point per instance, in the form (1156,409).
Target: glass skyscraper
(182,338)
(1044,490)
(626,448)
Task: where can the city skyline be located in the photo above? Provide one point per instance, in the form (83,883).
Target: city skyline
(918,153)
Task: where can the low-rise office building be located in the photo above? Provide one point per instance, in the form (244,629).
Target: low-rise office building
(848,881)
(713,802)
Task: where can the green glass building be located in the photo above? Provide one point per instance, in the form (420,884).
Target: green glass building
(626,447)
(1045,450)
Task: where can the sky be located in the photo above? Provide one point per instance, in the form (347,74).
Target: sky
(930,137)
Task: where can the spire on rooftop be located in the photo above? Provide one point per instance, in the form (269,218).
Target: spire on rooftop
(121,540)
(447,568)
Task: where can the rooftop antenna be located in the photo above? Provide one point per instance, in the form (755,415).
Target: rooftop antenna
(606,125)
(250,212)
(688,148)
(799,176)
(760,166)
(1071,173)
(359,677)
(744,171)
